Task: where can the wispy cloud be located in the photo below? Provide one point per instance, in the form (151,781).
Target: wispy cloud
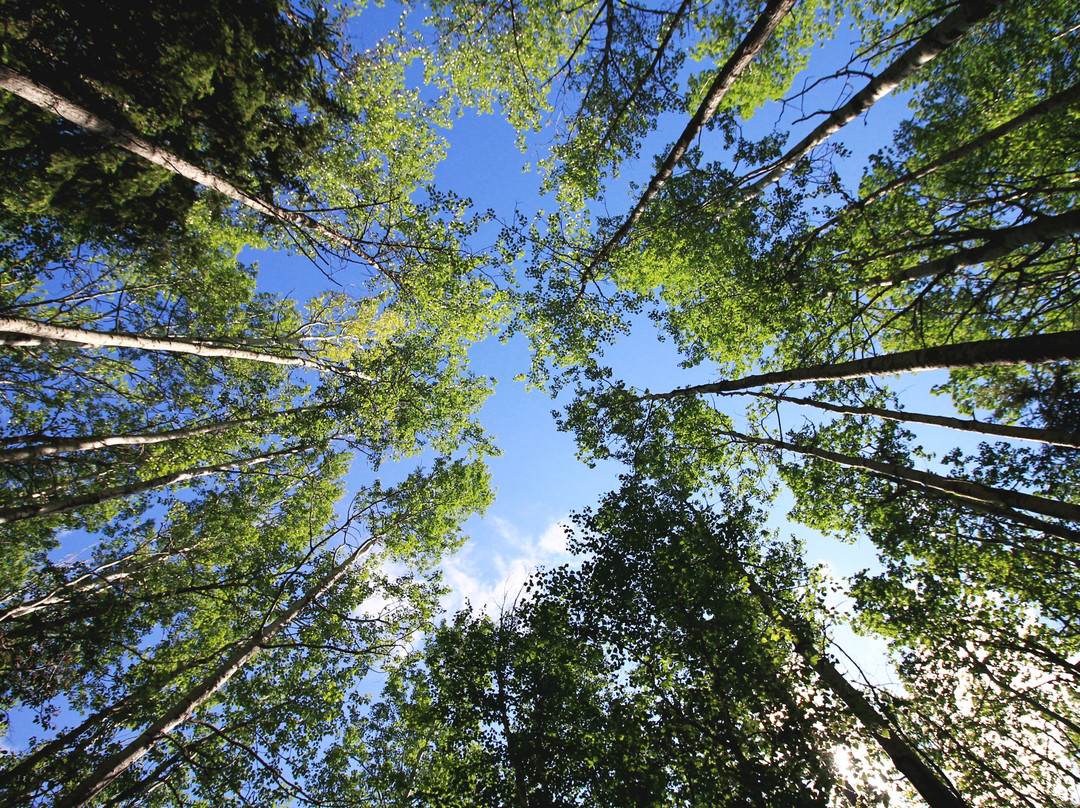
(490,575)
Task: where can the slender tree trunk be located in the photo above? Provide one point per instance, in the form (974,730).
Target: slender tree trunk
(18,332)
(932,786)
(185,706)
(116,711)
(72,503)
(107,574)
(1063,346)
(1052,437)
(962,490)
(1009,515)
(52,446)
(145,786)
(521,786)
(766,23)
(46,99)
(998,244)
(56,747)
(928,47)
(1053,103)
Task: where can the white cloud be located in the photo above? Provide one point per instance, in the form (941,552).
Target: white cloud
(553,540)
(490,574)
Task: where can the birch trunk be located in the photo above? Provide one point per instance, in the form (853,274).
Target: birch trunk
(927,48)
(19,332)
(90,582)
(1050,104)
(1051,437)
(766,23)
(53,446)
(998,244)
(116,712)
(103,576)
(185,706)
(65,504)
(46,99)
(1063,346)
(963,491)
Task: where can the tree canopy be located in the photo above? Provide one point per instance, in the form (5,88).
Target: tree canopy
(269,482)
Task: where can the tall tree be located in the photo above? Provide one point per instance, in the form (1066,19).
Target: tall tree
(923,50)
(1050,436)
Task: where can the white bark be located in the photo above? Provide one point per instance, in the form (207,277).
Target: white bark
(54,446)
(65,504)
(103,576)
(185,706)
(50,101)
(928,47)
(19,332)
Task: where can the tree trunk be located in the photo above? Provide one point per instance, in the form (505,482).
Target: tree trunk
(190,701)
(928,47)
(1045,107)
(1052,437)
(117,711)
(137,792)
(72,503)
(998,244)
(1063,346)
(932,785)
(49,101)
(105,575)
(1009,515)
(766,23)
(52,446)
(16,331)
(55,748)
(963,491)
(89,582)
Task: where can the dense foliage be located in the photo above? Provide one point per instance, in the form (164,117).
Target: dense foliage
(262,557)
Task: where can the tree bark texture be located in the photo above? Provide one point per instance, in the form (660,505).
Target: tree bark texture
(1063,346)
(928,47)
